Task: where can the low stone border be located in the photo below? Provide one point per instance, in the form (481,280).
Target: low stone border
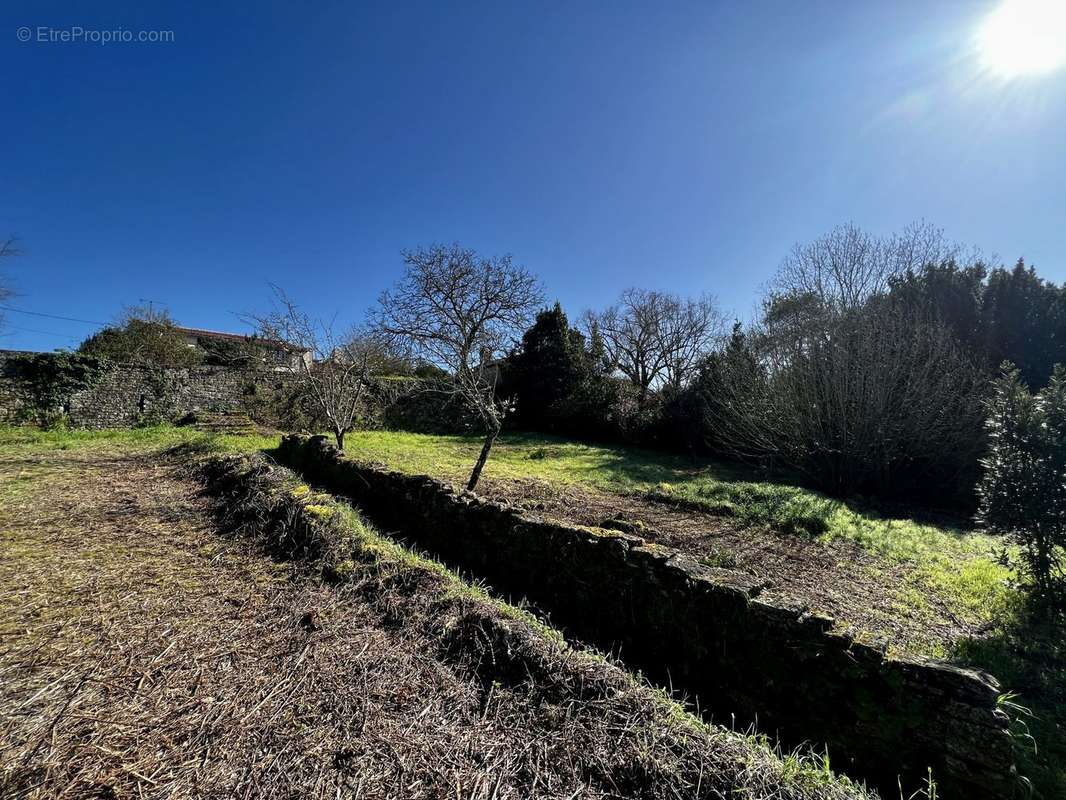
(585,716)
(739,652)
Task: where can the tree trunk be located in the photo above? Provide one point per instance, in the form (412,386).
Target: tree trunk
(490,437)
(338,433)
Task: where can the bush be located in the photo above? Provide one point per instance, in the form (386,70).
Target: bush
(1023,491)
(425,406)
(47,381)
(875,401)
(143,341)
(283,405)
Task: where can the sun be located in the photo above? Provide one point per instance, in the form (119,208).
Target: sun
(1024,37)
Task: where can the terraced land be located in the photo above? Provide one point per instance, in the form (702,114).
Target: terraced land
(937,589)
(157,640)
(920,587)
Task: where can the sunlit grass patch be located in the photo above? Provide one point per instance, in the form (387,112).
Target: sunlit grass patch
(156,437)
(962,568)
(957,566)
(710,486)
(519,455)
(786,509)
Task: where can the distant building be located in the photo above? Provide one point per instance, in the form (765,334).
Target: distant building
(236,349)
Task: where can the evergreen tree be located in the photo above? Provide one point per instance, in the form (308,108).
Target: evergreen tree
(560,384)
(1022,322)
(1023,491)
(950,294)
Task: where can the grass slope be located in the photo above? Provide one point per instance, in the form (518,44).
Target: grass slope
(145,655)
(956,569)
(959,566)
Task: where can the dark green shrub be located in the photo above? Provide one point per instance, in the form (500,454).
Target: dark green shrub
(559,381)
(139,341)
(1023,491)
(283,405)
(229,353)
(47,381)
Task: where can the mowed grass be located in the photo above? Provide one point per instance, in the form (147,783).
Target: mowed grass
(959,567)
(26,444)
(147,439)
(115,572)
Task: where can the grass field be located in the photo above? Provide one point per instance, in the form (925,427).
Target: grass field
(146,652)
(714,487)
(156,437)
(956,567)
(960,566)
(926,573)
(943,566)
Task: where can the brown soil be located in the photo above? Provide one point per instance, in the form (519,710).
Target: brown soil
(839,579)
(142,655)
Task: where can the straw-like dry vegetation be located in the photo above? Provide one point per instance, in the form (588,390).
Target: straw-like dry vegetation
(142,654)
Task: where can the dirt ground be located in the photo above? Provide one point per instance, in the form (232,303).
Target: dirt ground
(143,655)
(840,579)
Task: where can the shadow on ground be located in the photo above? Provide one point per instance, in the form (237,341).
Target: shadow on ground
(1028,656)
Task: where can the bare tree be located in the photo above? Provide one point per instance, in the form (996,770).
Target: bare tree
(689,329)
(336,368)
(462,312)
(8,248)
(656,339)
(844,268)
(842,382)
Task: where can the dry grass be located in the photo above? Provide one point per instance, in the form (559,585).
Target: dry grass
(142,655)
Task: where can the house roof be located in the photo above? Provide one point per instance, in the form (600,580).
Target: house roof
(202,333)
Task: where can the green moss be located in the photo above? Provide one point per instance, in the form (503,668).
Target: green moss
(633,526)
(319,511)
(720,559)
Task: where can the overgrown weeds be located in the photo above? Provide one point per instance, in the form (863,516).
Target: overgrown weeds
(593,725)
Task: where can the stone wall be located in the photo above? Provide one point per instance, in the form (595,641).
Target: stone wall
(10,397)
(745,655)
(125,395)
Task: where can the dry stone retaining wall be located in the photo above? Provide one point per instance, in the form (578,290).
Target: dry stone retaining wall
(746,655)
(127,394)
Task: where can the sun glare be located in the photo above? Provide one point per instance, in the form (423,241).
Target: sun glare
(1024,37)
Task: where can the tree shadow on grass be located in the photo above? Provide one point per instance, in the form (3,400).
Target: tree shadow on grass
(629,464)
(1028,656)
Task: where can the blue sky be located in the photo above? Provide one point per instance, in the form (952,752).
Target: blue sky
(679,146)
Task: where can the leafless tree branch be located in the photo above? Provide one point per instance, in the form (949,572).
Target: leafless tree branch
(8,249)
(461,312)
(336,367)
(656,339)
